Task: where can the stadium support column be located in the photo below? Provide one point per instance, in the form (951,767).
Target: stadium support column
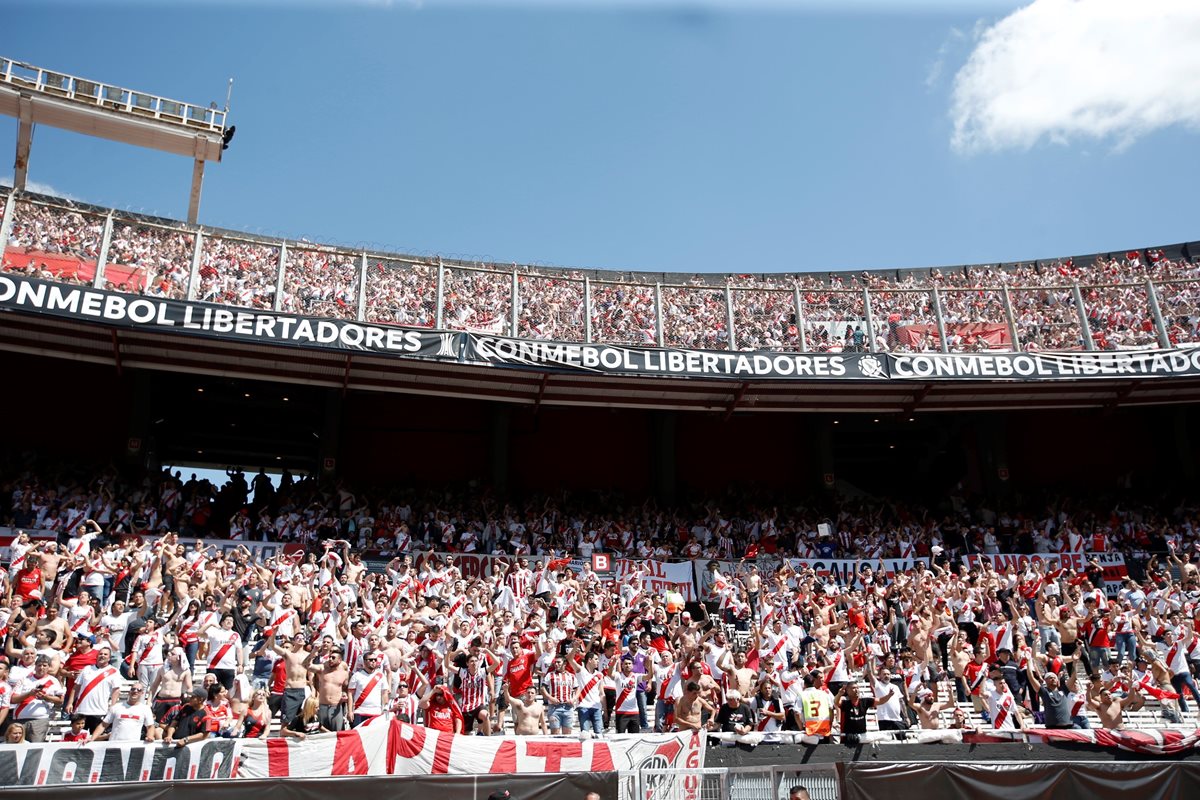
(331,433)
(138,451)
(799,305)
(102,258)
(1160,325)
(361,314)
(6,221)
(662,458)
(825,449)
(279,277)
(499,446)
(441,293)
(24,142)
(587,309)
(516,303)
(658,314)
(729,318)
(870,321)
(1185,452)
(194,275)
(941,320)
(1085,330)
(1014,342)
(194,195)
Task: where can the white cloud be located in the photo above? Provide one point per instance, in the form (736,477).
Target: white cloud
(939,63)
(38,187)
(1064,70)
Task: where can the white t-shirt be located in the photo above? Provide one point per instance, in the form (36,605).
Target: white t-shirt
(126,721)
(890,710)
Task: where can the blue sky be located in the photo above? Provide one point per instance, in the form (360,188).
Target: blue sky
(702,136)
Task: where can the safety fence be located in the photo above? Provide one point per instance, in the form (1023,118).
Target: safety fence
(820,781)
(1133,309)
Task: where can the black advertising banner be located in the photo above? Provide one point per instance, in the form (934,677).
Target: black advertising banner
(1153,780)
(84,304)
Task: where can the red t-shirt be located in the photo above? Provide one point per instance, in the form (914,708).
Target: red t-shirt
(519,673)
(29,583)
(440,718)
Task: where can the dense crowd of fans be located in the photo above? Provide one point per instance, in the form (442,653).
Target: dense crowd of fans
(154,260)
(105,622)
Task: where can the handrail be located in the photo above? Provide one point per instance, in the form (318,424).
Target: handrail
(55,83)
(804,314)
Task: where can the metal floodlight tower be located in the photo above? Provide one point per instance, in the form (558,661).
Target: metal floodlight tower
(35,95)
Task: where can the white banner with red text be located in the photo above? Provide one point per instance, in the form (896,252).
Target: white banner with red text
(842,571)
(34,764)
(397,748)
(1112,564)
(658,577)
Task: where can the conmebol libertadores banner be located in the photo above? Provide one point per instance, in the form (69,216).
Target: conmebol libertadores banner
(84,304)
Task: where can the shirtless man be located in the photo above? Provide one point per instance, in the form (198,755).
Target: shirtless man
(744,679)
(929,710)
(690,709)
(529,713)
(331,679)
(920,635)
(296,663)
(56,628)
(1108,708)
(1067,624)
(171,685)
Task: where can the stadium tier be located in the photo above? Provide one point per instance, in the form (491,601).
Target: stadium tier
(1136,300)
(551,571)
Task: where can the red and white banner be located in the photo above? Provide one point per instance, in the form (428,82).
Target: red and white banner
(1162,742)
(398,748)
(1113,564)
(843,571)
(658,577)
(362,751)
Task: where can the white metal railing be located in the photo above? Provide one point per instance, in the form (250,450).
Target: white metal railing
(571,307)
(54,83)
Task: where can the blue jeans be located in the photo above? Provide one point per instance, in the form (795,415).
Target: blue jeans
(641,701)
(1126,647)
(189,652)
(1181,680)
(591,719)
(558,717)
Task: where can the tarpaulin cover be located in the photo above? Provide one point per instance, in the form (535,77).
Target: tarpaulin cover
(441,787)
(1035,781)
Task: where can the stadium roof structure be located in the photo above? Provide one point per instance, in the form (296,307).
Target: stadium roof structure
(36,95)
(175,352)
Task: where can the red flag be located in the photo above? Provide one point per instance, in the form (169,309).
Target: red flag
(752,551)
(558,563)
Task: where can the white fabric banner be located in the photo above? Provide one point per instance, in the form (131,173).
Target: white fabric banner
(115,762)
